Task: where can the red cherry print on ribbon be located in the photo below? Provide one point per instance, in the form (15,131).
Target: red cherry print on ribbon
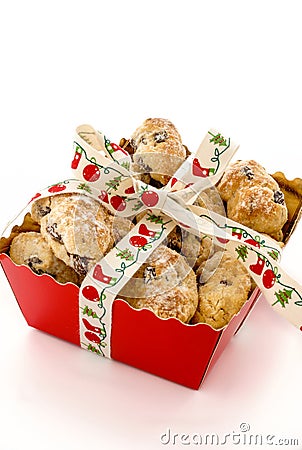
(130,190)
(92,337)
(143,229)
(268,279)
(99,275)
(259,266)
(301,328)
(118,203)
(76,160)
(138,241)
(199,171)
(91,173)
(91,327)
(35,196)
(104,196)
(150,198)
(57,188)
(91,293)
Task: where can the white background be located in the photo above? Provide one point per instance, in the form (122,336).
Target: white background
(232,65)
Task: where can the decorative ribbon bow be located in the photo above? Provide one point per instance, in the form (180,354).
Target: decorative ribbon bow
(104,167)
(103,171)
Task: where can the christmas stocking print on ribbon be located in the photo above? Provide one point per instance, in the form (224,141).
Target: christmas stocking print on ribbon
(104,167)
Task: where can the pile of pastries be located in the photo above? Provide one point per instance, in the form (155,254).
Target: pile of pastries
(187,277)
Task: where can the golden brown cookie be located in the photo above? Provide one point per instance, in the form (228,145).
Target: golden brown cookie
(253,198)
(79,229)
(211,201)
(196,249)
(259,208)
(164,284)
(40,208)
(32,250)
(28,224)
(243,175)
(223,287)
(158,149)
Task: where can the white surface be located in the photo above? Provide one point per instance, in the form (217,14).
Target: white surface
(231,65)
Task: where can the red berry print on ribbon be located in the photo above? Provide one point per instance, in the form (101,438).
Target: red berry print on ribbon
(91,173)
(269,276)
(118,203)
(301,328)
(138,241)
(199,171)
(268,279)
(57,188)
(91,293)
(150,198)
(104,196)
(99,275)
(92,337)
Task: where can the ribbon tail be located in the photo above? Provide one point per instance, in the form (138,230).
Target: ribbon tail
(281,291)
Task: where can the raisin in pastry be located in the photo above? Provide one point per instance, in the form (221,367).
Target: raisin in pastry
(253,198)
(32,250)
(165,284)
(223,287)
(157,149)
(79,230)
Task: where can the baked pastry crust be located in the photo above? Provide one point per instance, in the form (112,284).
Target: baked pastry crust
(223,287)
(32,250)
(197,249)
(243,175)
(253,198)
(79,230)
(157,149)
(255,207)
(165,284)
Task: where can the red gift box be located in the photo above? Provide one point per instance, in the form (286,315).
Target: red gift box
(165,347)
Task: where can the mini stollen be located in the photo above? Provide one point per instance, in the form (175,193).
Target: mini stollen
(104,174)
(258,253)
